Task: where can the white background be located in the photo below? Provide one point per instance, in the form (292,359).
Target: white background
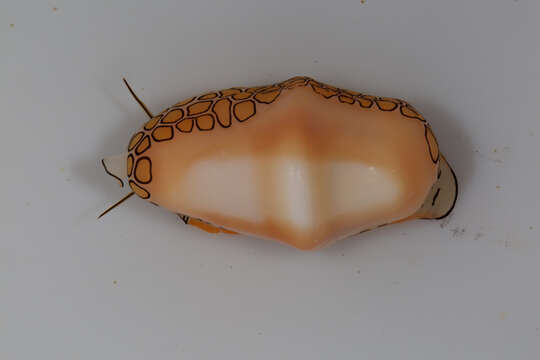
(140,285)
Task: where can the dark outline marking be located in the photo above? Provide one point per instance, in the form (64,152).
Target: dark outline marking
(429,145)
(230,95)
(455,196)
(271,88)
(350,93)
(457,192)
(256,89)
(204,96)
(318,85)
(346,97)
(132,146)
(250,116)
(278,90)
(360,98)
(135,170)
(185,102)
(111,174)
(294,82)
(225,99)
(158,117)
(130,156)
(181,121)
(387,101)
(409,116)
(140,187)
(170,111)
(189,113)
(329,87)
(166,127)
(242,99)
(149,145)
(435,196)
(213,122)
(294,79)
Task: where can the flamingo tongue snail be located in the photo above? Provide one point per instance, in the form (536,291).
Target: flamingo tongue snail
(299,161)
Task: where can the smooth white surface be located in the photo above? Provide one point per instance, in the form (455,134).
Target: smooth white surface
(140,285)
(223,186)
(360,187)
(293,179)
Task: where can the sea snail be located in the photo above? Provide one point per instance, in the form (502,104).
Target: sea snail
(299,161)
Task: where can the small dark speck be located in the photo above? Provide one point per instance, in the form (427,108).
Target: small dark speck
(498,187)
(115,282)
(531,227)
(478,236)
(458,232)
(445,222)
(55,9)
(364,1)
(476,151)
(11,25)
(342,254)
(230,266)
(316,61)
(259,333)
(358,271)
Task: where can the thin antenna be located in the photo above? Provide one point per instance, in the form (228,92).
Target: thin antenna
(138,100)
(118,203)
